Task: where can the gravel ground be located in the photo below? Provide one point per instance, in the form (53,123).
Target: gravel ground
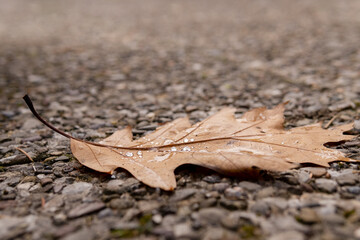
(92,67)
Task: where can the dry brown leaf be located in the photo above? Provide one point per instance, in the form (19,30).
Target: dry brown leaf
(220,142)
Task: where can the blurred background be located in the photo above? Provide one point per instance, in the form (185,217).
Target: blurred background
(179,57)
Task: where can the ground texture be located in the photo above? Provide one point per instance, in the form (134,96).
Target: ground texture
(95,66)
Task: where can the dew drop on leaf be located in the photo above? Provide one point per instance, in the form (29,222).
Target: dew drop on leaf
(139,153)
(173,149)
(129,154)
(186,140)
(186,149)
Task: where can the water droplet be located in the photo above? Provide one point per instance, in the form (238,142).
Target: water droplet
(113,176)
(168,141)
(191,140)
(186,149)
(297,141)
(129,154)
(173,149)
(282,143)
(186,140)
(139,153)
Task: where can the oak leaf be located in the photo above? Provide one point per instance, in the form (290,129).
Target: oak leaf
(220,142)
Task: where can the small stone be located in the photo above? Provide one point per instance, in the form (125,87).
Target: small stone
(113,186)
(211,215)
(293,235)
(30,124)
(85,208)
(347,179)
(235,193)
(249,186)
(62,158)
(233,204)
(59,219)
(220,187)
(24,188)
(326,185)
(29,179)
(84,233)
(157,218)
(183,230)
(266,192)
(315,171)
(261,208)
(182,194)
(308,216)
(77,188)
(354,190)
(212,179)
(45,181)
(118,203)
(54,204)
(56,153)
(357,233)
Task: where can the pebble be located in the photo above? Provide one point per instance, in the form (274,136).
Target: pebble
(220,187)
(347,179)
(287,235)
(315,171)
(354,190)
(183,230)
(113,186)
(84,233)
(182,194)
(233,204)
(308,216)
(85,208)
(326,185)
(249,186)
(261,208)
(54,204)
(265,192)
(211,216)
(212,179)
(235,193)
(45,181)
(118,203)
(30,124)
(77,188)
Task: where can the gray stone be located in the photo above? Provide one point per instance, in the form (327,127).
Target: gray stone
(85,208)
(182,194)
(250,186)
(54,204)
(347,179)
(315,171)
(308,216)
(184,230)
(84,233)
(212,179)
(113,186)
(261,208)
(211,216)
(30,124)
(266,192)
(293,235)
(353,190)
(121,203)
(12,227)
(326,185)
(77,188)
(220,187)
(235,193)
